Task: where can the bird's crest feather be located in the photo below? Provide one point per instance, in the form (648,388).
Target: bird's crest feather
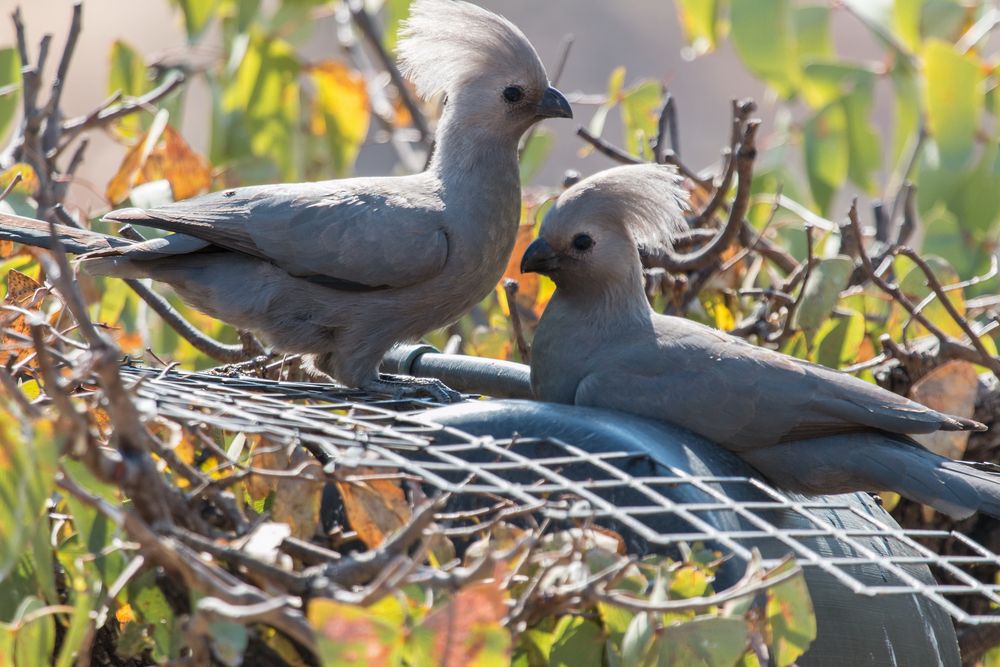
(444,43)
(646,200)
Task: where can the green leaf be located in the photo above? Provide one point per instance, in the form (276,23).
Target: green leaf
(396,11)
(812,32)
(197,14)
(127,76)
(790,616)
(973,211)
(864,149)
(827,157)
(906,22)
(114,295)
(640,109)
(79,621)
(837,341)
(229,641)
(578,643)
(913,283)
(535,152)
(149,602)
(35,640)
(699,20)
(10,75)
(954,101)
(259,109)
(764,37)
(907,106)
(638,639)
(703,642)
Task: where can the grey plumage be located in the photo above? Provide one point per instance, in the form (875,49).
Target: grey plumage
(342,270)
(805,427)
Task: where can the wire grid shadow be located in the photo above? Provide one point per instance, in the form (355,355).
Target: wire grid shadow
(660,507)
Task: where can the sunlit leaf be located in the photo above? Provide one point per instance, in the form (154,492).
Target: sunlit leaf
(375,508)
(702,642)
(906,22)
(837,341)
(954,100)
(700,22)
(394,13)
(197,14)
(827,157)
(161,154)
(535,152)
(790,616)
(764,37)
(10,79)
(640,109)
(812,32)
(826,280)
(863,143)
(152,607)
(466,631)
(340,112)
(127,76)
(907,102)
(357,636)
(577,642)
(35,640)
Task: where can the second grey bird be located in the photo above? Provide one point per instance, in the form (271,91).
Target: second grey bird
(342,270)
(805,427)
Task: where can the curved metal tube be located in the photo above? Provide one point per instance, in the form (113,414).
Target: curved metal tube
(477,375)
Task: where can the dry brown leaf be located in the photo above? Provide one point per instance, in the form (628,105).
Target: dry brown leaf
(161,154)
(949,388)
(375,508)
(296,499)
(21,290)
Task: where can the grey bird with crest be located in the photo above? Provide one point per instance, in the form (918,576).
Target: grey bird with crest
(805,427)
(342,270)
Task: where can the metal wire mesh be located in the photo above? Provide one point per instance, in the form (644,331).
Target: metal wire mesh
(545,479)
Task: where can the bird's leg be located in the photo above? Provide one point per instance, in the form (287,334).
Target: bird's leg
(405,386)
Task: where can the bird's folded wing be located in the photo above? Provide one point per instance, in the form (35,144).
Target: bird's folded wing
(745,396)
(331,233)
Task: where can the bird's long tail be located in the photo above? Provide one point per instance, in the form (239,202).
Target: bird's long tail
(881,462)
(38,233)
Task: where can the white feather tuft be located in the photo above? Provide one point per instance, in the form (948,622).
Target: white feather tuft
(647,200)
(447,43)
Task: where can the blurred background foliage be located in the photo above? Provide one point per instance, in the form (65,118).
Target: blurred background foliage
(278,116)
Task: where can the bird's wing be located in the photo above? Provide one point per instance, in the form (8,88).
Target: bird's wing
(746,396)
(353,234)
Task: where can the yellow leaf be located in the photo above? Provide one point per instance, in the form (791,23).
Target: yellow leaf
(949,388)
(340,111)
(29,179)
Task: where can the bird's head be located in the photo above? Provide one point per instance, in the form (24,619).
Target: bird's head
(591,236)
(482,63)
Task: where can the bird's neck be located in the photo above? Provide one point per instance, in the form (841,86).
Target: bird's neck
(468,153)
(614,304)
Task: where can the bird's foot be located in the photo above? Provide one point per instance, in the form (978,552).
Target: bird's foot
(404,386)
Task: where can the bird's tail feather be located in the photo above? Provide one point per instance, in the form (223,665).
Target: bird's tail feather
(38,233)
(875,462)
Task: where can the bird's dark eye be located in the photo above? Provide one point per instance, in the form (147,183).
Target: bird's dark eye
(582,242)
(513,94)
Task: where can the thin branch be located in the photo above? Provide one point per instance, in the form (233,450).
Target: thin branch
(788,328)
(608,149)
(10,186)
(510,289)
(702,258)
(367,27)
(52,107)
(666,128)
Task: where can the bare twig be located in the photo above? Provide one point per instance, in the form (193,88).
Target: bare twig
(607,149)
(510,289)
(10,186)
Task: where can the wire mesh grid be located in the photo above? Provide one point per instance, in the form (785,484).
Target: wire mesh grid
(656,507)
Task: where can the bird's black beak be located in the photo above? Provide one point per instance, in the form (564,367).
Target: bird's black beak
(539,257)
(554,105)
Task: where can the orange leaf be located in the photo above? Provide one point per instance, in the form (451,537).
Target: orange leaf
(375,508)
(296,500)
(21,291)
(6,248)
(162,154)
(461,627)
